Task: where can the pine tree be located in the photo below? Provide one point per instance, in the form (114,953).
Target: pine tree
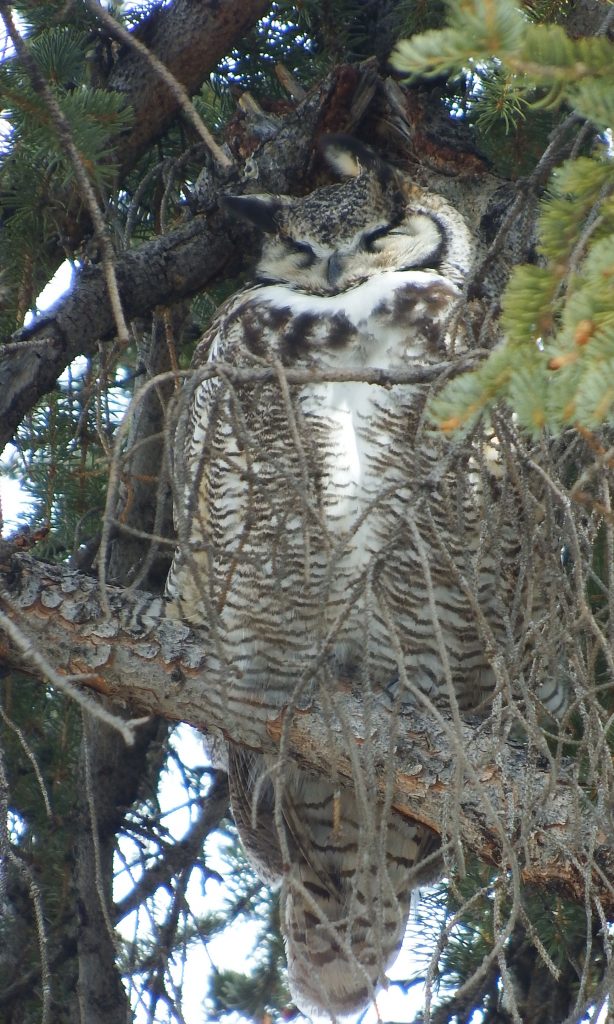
(105,164)
(547,369)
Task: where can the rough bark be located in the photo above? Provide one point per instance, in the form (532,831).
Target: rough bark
(508,804)
(114,774)
(174,266)
(190,37)
(110,774)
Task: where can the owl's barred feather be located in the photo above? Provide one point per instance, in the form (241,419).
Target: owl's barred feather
(327,534)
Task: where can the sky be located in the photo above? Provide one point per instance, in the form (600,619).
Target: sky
(13,502)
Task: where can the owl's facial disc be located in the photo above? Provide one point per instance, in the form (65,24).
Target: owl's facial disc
(340,236)
(316,266)
(417,243)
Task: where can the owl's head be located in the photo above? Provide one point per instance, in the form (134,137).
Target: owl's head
(374,221)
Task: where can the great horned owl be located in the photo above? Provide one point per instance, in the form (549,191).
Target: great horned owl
(326,534)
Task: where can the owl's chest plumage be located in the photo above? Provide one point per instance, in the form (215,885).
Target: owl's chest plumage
(355,430)
(302,493)
(391,322)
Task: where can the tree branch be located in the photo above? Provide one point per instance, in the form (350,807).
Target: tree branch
(189,37)
(163,271)
(503,797)
(182,853)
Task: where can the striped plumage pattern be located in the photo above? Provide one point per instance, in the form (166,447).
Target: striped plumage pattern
(328,534)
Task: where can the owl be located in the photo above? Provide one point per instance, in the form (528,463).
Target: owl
(330,540)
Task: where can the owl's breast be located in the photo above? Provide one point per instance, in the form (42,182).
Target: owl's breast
(391,321)
(388,319)
(301,488)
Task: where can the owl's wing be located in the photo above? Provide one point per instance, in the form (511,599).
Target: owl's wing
(255,824)
(194,432)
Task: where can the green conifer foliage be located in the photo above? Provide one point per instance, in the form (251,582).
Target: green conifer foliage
(36,176)
(556,364)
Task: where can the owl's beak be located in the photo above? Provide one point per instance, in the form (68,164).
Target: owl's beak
(334,268)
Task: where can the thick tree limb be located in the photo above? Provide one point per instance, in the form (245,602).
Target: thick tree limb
(502,798)
(189,37)
(170,267)
(166,270)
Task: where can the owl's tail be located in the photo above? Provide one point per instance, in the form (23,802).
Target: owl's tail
(346,889)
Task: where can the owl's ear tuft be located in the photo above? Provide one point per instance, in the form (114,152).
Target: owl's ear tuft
(349,157)
(261,210)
